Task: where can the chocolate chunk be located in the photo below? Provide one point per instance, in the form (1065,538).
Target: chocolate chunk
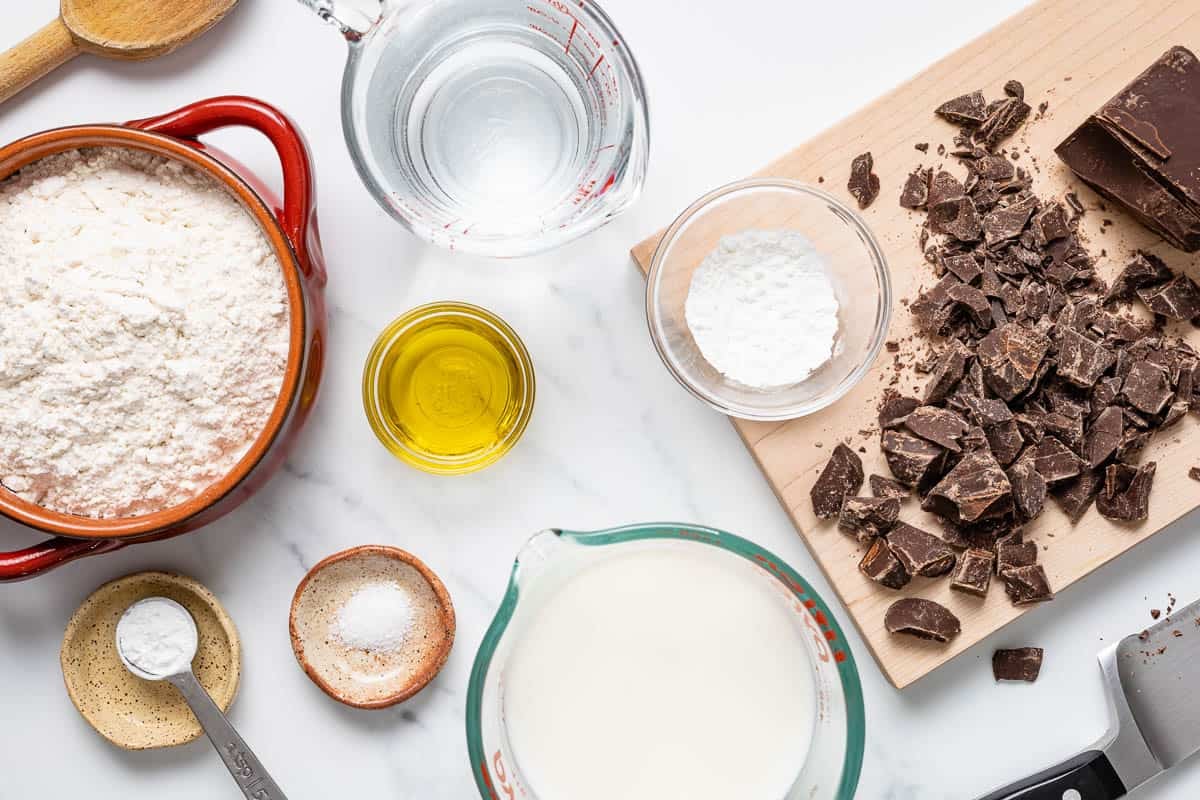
(938,425)
(912,460)
(974,489)
(921,553)
(1082,361)
(1028,488)
(974,302)
(894,408)
(968,109)
(1002,121)
(951,367)
(868,517)
(986,411)
(959,219)
(974,572)
(1067,429)
(963,266)
(1055,461)
(924,619)
(1194,473)
(1126,497)
(1005,441)
(1010,357)
(841,478)
(1132,444)
(863,183)
(1104,436)
(882,566)
(1146,387)
(1146,269)
(1175,412)
(1050,224)
(1074,497)
(1027,584)
(945,191)
(1031,427)
(1006,223)
(1178,299)
(1020,664)
(1015,554)
(916,189)
(887,488)
(993,168)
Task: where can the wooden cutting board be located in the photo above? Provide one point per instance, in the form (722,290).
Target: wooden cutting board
(1074,55)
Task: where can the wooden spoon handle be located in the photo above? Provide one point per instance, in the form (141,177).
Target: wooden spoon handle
(46,49)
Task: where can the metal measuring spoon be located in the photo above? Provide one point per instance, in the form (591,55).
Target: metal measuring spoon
(242,764)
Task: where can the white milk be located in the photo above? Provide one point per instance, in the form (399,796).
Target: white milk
(666,670)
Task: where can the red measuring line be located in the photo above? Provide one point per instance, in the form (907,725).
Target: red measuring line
(570,38)
(597,64)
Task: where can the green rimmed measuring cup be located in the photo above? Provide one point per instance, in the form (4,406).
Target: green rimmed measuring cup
(834,759)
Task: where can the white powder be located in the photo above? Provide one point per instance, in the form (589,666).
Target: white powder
(377,617)
(158,636)
(143,332)
(762,309)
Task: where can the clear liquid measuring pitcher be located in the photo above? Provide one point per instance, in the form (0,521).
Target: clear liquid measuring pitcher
(497,127)
(554,558)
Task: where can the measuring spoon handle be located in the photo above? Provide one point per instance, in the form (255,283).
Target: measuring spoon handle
(243,765)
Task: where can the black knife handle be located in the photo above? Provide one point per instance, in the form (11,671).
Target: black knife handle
(1089,773)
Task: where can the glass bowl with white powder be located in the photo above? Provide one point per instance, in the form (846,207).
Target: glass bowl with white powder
(768,299)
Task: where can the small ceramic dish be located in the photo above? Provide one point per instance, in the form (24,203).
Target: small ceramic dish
(130,712)
(364,678)
(855,265)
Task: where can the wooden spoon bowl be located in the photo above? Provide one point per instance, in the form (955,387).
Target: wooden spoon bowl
(130,30)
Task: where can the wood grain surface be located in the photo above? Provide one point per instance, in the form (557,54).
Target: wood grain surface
(1073,55)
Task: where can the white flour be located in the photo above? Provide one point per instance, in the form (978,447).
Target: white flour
(762,309)
(143,332)
(158,636)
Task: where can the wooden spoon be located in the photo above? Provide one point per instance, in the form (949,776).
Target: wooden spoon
(131,30)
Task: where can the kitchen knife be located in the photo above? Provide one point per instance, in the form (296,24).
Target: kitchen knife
(1155,710)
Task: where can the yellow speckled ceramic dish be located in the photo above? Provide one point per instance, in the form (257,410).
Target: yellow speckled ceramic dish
(128,711)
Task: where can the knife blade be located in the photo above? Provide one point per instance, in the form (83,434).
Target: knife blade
(1154,710)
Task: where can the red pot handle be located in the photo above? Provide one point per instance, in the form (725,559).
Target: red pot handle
(299,206)
(43,556)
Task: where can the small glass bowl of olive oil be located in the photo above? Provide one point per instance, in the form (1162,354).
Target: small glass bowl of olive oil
(448,388)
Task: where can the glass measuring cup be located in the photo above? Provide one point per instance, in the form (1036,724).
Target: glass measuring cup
(834,758)
(496,127)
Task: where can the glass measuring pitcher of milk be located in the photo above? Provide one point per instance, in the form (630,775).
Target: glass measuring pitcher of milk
(661,661)
(496,127)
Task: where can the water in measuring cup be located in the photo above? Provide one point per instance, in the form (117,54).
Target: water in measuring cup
(671,669)
(495,124)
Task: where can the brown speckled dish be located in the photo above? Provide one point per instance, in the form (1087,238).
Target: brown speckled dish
(130,712)
(361,678)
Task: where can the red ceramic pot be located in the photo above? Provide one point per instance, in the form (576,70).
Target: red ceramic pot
(290,227)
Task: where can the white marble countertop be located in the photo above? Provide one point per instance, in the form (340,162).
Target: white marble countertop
(613,440)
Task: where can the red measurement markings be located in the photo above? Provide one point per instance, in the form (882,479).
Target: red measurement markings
(571,37)
(596,65)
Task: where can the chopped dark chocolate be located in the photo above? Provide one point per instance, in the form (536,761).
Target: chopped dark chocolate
(1147,387)
(916,189)
(868,517)
(1194,473)
(963,266)
(841,478)
(1081,360)
(939,425)
(1027,584)
(969,109)
(1015,554)
(1128,496)
(1177,299)
(1074,497)
(921,553)
(1146,269)
(949,370)
(1006,223)
(1132,444)
(863,183)
(1003,120)
(1050,224)
(894,408)
(1028,488)
(1019,664)
(1010,356)
(881,565)
(959,219)
(922,618)
(1104,436)
(886,487)
(912,460)
(976,488)
(1055,461)
(974,572)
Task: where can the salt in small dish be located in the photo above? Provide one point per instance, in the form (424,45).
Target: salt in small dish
(357,676)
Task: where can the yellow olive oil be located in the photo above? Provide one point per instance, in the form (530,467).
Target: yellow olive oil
(448,387)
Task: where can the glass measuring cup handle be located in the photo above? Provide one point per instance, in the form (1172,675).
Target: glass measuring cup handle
(354,23)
